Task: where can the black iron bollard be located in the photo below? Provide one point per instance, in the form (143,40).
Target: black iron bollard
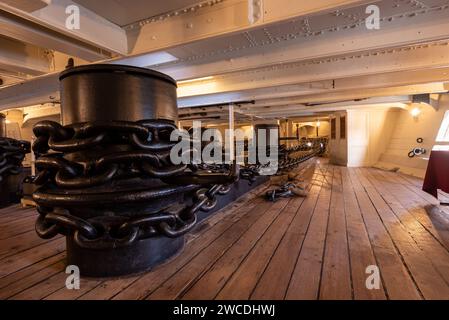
(105,176)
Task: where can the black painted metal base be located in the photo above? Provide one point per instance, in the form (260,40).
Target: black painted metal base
(141,256)
(144,254)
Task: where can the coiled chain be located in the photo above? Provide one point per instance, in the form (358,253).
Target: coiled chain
(149,147)
(94,157)
(12,153)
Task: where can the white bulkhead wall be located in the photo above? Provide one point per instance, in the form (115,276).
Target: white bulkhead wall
(406,130)
(368,132)
(383,137)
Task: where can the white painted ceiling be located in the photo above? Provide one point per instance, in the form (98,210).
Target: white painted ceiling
(124,12)
(284,59)
(293,32)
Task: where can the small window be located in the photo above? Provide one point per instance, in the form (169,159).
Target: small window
(443,133)
(343,128)
(333,128)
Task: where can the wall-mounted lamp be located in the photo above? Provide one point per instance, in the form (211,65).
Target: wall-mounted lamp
(415,112)
(419,100)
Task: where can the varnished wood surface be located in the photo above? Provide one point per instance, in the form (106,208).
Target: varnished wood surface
(316,247)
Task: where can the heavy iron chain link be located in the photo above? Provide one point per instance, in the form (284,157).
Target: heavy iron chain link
(141,149)
(292,156)
(12,153)
(148,149)
(86,233)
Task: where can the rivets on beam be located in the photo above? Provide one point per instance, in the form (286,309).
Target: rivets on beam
(174,13)
(306,31)
(286,66)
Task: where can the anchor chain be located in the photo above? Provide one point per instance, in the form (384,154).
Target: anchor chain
(143,148)
(88,232)
(308,148)
(12,153)
(77,164)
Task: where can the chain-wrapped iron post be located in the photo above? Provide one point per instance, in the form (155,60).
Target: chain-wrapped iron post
(105,177)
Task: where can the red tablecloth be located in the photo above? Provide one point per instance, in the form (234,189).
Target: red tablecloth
(437,175)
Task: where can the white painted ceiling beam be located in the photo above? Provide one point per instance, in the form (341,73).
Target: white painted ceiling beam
(274,92)
(402,59)
(41,111)
(394,79)
(222,18)
(248,82)
(27,5)
(94,31)
(248,111)
(275,10)
(402,30)
(346,95)
(294,94)
(45,89)
(35,91)
(311,119)
(372,81)
(7,79)
(286,109)
(23,58)
(312,78)
(29,32)
(318,110)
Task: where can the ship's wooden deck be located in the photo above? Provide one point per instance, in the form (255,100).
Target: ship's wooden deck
(316,247)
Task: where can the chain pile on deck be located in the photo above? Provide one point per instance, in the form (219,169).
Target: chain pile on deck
(290,157)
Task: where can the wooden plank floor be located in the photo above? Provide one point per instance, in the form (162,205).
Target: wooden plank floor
(318,247)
